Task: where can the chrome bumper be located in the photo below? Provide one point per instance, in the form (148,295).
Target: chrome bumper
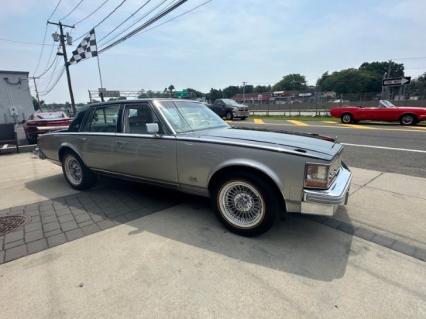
(240,113)
(325,202)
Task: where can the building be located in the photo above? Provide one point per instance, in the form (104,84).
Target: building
(15,98)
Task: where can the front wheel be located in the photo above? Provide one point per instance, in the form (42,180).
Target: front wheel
(408,119)
(229,116)
(347,118)
(245,203)
(76,173)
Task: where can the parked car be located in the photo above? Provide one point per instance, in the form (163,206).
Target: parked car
(230,109)
(43,122)
(251,176)
(386,111)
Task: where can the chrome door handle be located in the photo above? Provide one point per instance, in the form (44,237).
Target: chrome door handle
(83,139)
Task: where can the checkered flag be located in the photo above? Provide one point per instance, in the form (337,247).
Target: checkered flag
(86,49)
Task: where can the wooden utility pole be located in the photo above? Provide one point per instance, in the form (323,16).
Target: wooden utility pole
(36,90)
(64,54)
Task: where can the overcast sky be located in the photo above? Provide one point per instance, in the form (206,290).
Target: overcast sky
(223,43)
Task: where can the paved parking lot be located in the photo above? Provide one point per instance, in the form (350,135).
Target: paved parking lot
(122,250)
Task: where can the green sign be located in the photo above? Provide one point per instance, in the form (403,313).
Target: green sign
(181,94)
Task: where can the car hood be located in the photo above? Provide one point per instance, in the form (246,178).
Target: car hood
(304,144)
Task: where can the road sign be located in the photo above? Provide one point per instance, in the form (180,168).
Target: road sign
(397,81)
(111,93)
(181,94)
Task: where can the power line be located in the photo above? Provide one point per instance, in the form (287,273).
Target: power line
(103,20)
(125,20)
(178,16)
(24,42)
(72,10)
(47,69)
(91,13)
(143,26)
(54,10)
(44,37)
(55,83)
(136,22)
(51,75)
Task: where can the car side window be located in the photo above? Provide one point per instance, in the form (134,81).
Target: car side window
(136,116)
(105,119)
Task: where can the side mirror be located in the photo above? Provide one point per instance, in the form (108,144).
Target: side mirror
(152,128)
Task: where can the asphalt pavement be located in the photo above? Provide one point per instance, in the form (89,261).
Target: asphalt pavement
(378,146)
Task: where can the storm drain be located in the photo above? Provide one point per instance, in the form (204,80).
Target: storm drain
(11,223)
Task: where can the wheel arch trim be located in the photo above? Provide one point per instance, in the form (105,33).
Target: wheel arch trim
(249,165)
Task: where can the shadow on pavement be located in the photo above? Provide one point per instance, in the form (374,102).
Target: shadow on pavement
(295,245)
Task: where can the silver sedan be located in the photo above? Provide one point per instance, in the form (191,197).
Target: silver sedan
(251,176)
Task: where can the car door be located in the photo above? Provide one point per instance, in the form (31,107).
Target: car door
(140,153)
(98,137)
(220,108)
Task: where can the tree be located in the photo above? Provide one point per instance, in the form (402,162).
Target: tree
(291,82)
(418,86)
(171,88)
(231,91)
(214,95)
(262,88)
(378,69)
(347,81)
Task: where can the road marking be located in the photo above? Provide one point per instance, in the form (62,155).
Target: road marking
(337,126)
(418,128)
(258,121)
(329,122)
(385,148)
(362,127)
(297,123)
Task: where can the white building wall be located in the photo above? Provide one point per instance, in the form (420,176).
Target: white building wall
(14,92)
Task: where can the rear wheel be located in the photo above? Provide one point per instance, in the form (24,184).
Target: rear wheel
(408,119)
(76,173)
(245,203)
(347,118)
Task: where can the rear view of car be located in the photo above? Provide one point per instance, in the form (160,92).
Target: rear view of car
(43,122)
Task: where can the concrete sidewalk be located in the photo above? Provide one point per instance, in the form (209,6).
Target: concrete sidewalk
(180,263)
(390,204)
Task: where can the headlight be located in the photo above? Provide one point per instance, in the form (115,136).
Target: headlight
(316,175)
(235,109)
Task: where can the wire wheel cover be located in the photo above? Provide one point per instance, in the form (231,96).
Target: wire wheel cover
(73,170)
(241,204)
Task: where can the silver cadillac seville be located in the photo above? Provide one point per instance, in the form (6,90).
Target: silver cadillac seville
(251,176)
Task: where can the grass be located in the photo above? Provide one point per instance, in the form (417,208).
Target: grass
(297,118)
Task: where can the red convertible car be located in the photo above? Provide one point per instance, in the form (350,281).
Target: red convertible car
(386,111)
(43,122)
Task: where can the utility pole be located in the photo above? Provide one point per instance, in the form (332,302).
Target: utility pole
(64,54)
(36,90)
(244,92)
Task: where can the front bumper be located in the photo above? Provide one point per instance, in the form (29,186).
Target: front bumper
(240,113)
(325,202)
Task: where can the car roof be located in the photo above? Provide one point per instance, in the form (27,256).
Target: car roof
(139,100)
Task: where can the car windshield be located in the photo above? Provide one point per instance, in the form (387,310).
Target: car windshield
(49,116)
(386,103)
(187,116)
(231,102)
